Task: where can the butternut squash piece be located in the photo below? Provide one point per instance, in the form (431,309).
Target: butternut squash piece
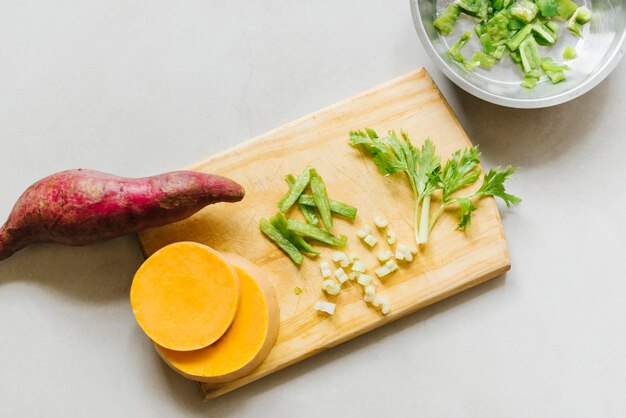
(248,341)
(185,296)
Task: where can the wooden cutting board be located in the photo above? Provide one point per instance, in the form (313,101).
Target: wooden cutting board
(452,261)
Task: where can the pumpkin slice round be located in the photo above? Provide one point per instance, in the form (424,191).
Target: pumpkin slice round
(185,296)
(246,343)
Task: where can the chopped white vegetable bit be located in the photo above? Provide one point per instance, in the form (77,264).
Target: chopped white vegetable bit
(384,255)
(391,237)
(359,266)
(403,253)
(331,287)
(370,240)
(382,271)
(376,282)
(385,309)
(323,306)
(343,278)
(368,298)
(399,255)
(338,256)
(325,268)
(340,271)
(391,265)
(354,275)
(380,222)
(344,263)
(364,232)
(377,302)
(408,256)
(370,290)
(365,280)
(413,250)
(353,257)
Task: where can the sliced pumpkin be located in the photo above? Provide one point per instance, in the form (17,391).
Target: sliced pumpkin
(247,342)
(185,296)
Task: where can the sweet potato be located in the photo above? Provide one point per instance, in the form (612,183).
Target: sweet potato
(80,207)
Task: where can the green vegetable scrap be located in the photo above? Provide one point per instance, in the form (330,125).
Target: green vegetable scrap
(445,23)
(290,235)
(422,166)
(297,290)
(510,23)
(569,53)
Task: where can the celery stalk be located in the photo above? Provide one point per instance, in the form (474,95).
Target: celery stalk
(455,51)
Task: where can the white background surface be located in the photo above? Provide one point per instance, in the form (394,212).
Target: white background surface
(141,87)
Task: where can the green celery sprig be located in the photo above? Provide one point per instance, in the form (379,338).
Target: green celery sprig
(422,167)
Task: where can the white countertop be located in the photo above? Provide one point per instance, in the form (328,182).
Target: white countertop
(141,87)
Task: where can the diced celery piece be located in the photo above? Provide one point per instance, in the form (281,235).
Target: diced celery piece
(548,65)
(479,29)
(470,65)
(529,52)
(498,28)
(485,61)
(529,82)
(575,27)
(478,8)
(485,40)
(445,23)
(455,51)
(515,56)
(566,9)
(515,24)
(569,53)
(497,4)
(499,52)
(553,26)
(555,76)
(517,39)
(548,7)
(583,15)
(524,10)
(544,34)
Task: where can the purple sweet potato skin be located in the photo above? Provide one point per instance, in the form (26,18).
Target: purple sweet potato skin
(81,207)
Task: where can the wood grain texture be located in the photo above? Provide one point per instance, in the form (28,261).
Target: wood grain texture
(453,260)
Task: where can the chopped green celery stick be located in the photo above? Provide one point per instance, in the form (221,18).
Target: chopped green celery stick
(479,29)
(282,242)
(446,21)
(478,8)
(529,82)
(515,56)
(555,76)
(498,28)
(544,33)
(297,290)
(575,27)
(485,39)
(547,64)
(321,199)
(529,52)
(315,233)
(516,40)
(515,24)
(553,26)
(279,221)
(569,53)
(336,207)
(524,10)
(470,65)
(295,191)
(485,61)
(499,52)
(566,9)
(582,15)
(548,7)
(307,211)
(455,51)
(497,4)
